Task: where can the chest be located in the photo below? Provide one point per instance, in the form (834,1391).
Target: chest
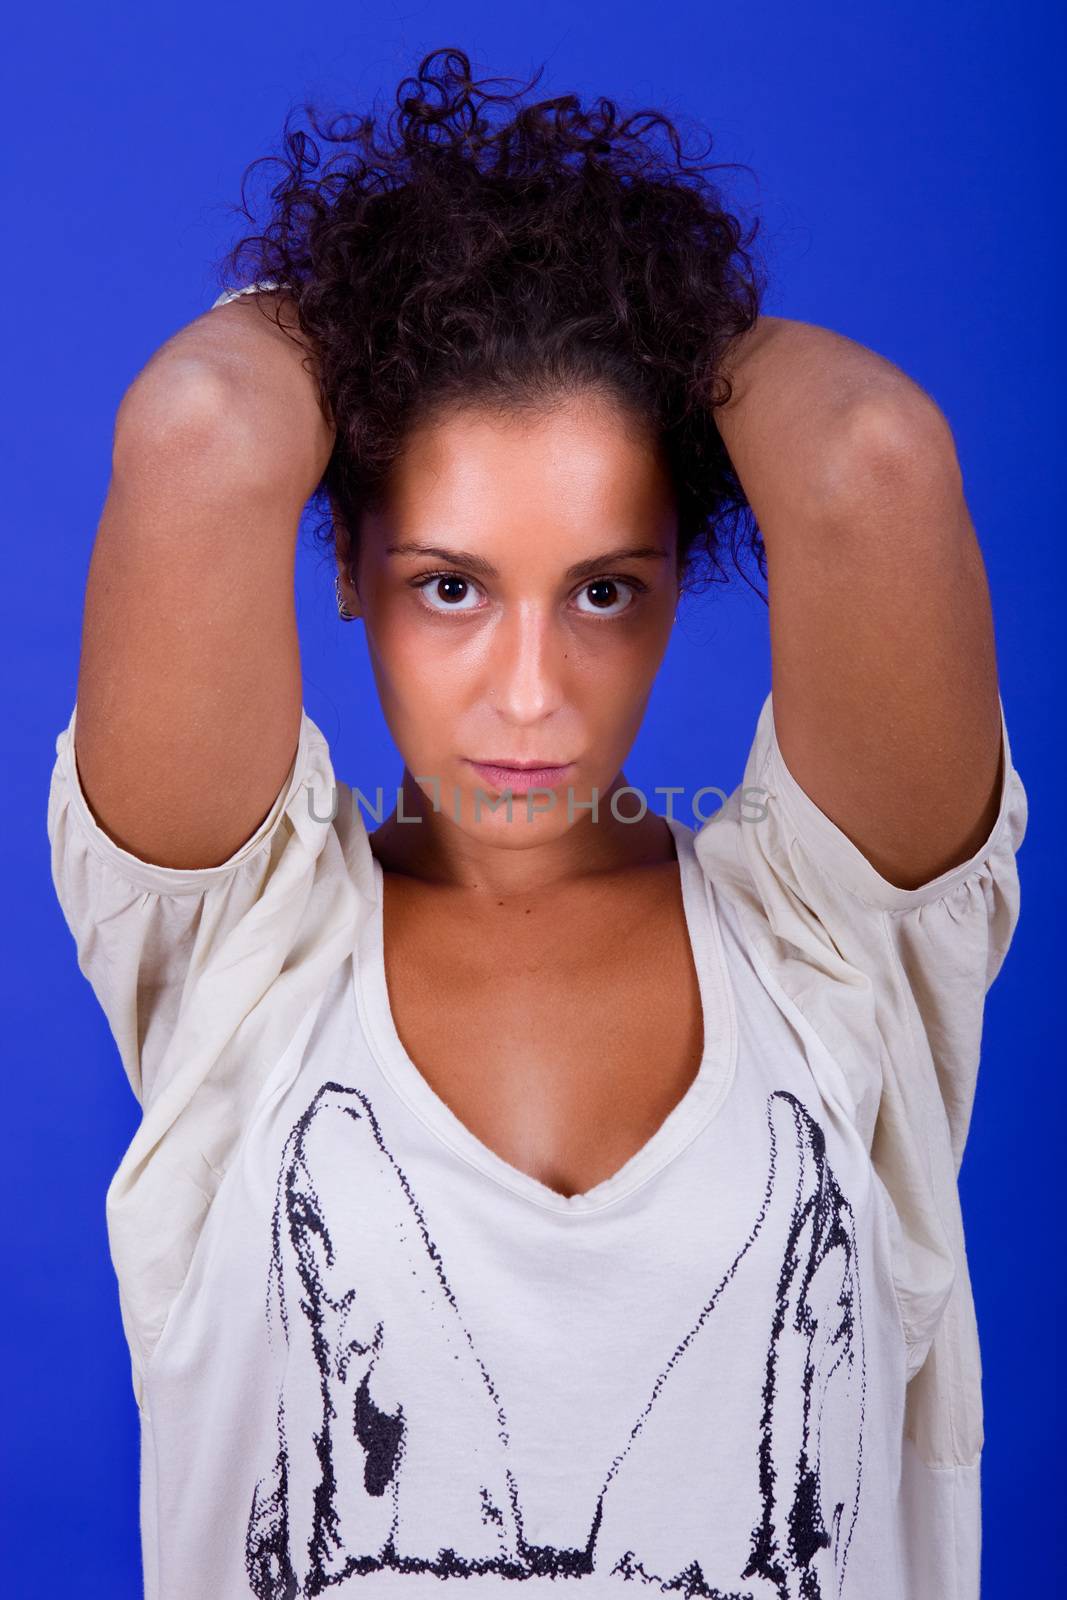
(561,1030)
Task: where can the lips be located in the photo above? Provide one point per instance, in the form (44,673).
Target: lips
(520,779)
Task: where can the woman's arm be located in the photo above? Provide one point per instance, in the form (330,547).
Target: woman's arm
(189,688)
(884,671)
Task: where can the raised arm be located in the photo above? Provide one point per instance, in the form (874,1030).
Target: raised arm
(189,688)
(884,672)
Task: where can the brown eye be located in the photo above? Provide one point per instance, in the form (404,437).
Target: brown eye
(447,591)
(605,595)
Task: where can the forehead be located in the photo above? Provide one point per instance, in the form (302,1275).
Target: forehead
(566,473)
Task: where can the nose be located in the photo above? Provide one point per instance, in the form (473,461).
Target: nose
(527,664)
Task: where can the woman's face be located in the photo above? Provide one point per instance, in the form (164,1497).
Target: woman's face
(518,590)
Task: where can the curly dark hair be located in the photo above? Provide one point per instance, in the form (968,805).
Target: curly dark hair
(450,259)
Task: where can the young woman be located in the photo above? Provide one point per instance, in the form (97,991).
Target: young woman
(543,1189)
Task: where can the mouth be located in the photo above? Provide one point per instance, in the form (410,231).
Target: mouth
(520,776)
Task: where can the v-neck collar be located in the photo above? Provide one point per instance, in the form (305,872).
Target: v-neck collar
(682,1124)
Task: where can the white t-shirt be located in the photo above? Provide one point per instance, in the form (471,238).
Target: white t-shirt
(367,1351)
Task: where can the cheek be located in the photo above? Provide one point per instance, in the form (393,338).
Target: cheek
(424,682)
(616,691)
(607,692)
(620,665)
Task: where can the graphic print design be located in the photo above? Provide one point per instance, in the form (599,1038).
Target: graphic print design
(408,1464)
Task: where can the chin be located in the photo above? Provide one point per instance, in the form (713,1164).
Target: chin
(518,831)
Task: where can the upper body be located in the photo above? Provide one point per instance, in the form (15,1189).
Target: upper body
(497,1108)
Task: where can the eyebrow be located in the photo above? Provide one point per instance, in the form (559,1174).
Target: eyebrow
(485,569)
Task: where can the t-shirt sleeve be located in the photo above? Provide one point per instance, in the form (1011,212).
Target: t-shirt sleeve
(949,936)
(892,982)
(149,937)
(206,977)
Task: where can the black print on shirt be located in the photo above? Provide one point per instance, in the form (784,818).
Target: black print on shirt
(407,1453)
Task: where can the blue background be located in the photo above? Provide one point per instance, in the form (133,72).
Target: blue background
(903,162)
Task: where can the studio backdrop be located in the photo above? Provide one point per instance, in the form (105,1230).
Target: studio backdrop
(904,163)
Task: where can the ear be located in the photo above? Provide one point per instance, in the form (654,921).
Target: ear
(345,575)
